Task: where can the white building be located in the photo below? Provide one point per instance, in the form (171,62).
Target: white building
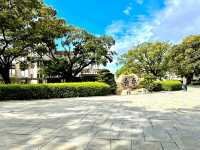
(33,74)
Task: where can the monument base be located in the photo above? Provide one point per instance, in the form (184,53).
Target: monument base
(126,92)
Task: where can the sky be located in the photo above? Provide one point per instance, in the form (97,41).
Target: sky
(132,22)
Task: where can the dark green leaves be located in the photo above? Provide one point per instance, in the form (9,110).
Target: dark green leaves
(146,58)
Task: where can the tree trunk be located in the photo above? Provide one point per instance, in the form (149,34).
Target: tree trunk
(68,77)
(6,75)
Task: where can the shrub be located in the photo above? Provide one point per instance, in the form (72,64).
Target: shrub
(104,75)
(149,83)
(157,87)
(141,83)
(170,85)
(53,90)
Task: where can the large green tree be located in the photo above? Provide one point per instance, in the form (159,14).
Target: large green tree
(126,69)
(26,27)
(80,50)
(184,58)
(147,58)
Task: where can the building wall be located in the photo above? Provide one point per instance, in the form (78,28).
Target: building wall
(33,71)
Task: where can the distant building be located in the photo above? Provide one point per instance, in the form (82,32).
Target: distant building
(33,75)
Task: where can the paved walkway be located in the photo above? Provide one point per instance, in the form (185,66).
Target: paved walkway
(160,121)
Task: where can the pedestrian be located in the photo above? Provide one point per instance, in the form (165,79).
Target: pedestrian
(185,84)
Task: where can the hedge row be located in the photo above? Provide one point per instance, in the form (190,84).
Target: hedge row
(53,90)
(168,85)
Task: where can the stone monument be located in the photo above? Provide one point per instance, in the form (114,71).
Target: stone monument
(127,83)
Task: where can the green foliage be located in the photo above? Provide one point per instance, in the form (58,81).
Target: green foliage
(157,87)
(106,76)
(147,58)
(170,85)
(57,90)
(23,65)
(150,84)
(14,80)
(126,69)
(81,49)
(167,85)
(184,58)
(26,27)
(141,83)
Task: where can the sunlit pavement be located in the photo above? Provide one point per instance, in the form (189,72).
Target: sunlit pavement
(159,121)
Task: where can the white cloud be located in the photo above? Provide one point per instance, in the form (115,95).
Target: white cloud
(129,35)
(140,1)
(127,11)
(178,19)
(115,28)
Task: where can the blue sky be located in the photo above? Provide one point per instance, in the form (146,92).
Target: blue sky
(132,22)
(96,15)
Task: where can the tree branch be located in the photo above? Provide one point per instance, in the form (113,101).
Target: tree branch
(82,67)
(5,40)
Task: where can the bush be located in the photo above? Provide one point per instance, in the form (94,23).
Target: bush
(141,83)
(153,86)
(149,82)
(169,85)
(104,75)
(53,90)
(157,87)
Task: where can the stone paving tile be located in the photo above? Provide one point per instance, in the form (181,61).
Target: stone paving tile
(147,146)
(131,134)
(21,147)
(156,135)
(170,146)
(98,144)
(121,145)
(20,130)
(159,121)
(64,143)
(107,134)
(9,139)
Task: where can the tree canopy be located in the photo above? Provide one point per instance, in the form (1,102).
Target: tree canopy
(26,27)
(80,50)
(184,58)
(126,69)
(146,58)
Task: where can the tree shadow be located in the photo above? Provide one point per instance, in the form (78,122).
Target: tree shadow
(95,125)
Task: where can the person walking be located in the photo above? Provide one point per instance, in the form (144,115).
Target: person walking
(185,84)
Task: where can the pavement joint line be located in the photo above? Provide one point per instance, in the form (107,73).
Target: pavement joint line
(162,146)
(172,138)
(116,122)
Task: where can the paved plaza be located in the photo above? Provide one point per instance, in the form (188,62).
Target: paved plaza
(158,121)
